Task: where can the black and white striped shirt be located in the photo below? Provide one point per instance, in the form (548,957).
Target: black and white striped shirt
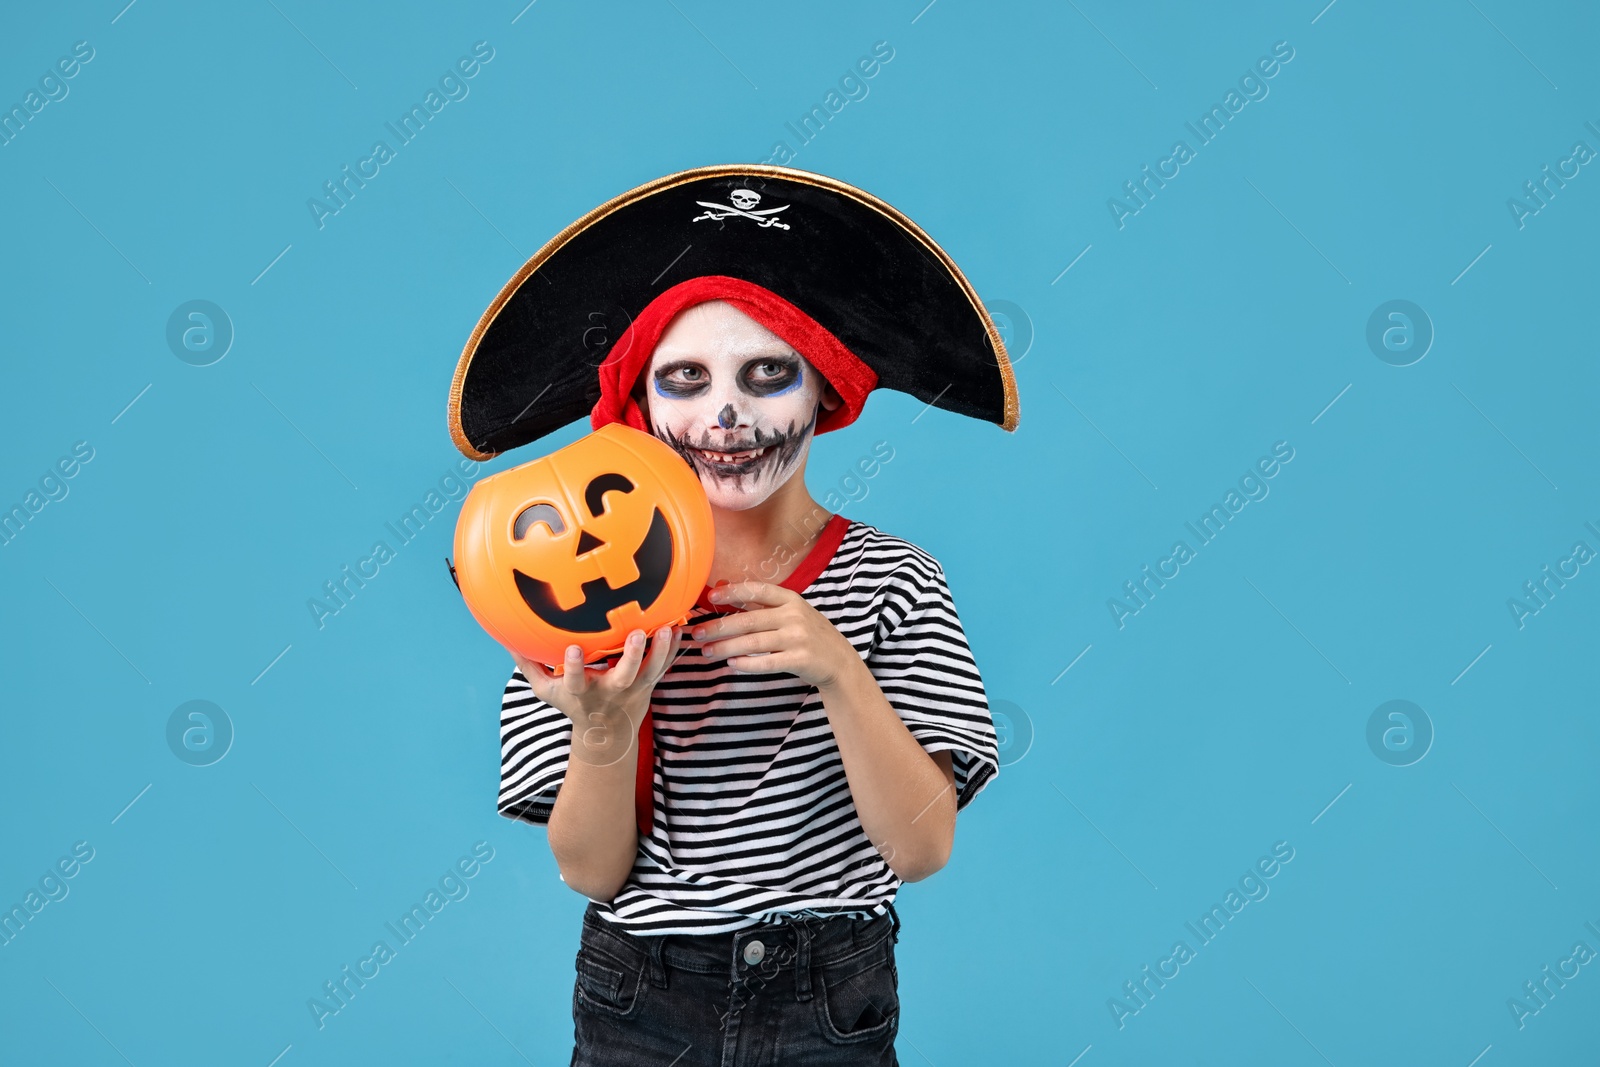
(753,815)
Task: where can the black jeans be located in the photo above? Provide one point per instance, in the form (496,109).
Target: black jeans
(801,993)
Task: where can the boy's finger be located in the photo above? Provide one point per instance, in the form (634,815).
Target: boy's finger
(678,637)
(532,670)
(538,677)
(744,645)
(743,623)
(761,663)
(750,592)
(660,655)
(626,669)
(573,676)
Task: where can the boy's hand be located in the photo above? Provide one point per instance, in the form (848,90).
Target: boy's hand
(778,631)
(605,706)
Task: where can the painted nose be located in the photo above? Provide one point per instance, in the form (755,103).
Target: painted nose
(727,418)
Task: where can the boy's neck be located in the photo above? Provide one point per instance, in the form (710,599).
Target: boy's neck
(767,542)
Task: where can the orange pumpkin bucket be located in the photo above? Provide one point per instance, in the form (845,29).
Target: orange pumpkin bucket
(610,534)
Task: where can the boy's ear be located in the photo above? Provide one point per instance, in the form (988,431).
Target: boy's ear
(830,397)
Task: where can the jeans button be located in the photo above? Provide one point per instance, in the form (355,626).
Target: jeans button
(753,952)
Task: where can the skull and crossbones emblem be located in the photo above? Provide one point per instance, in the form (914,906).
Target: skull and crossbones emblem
(742,203)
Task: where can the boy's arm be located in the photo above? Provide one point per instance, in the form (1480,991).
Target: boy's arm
(592,831)
(905,797)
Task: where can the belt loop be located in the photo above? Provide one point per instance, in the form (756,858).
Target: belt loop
(802,960)
(658,968)
(895,929)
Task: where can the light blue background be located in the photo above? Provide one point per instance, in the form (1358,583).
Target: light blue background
(1222,718)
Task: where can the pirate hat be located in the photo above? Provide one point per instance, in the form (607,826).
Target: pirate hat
(843,278)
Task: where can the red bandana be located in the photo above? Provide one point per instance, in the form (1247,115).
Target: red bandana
(843,369)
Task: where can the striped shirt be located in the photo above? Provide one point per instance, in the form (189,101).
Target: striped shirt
(753,815)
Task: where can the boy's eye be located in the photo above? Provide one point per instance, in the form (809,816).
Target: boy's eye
(772,375)
(681,380)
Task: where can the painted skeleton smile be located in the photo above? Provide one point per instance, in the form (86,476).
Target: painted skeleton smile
(769,455)
(732,458)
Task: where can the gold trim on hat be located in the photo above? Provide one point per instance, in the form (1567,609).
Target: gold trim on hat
(1012,406)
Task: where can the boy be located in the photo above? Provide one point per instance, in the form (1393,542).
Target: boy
(812,735)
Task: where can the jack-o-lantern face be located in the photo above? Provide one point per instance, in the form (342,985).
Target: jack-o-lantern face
(610,534)
(652,561)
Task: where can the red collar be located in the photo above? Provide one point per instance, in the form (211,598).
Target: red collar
(812,565)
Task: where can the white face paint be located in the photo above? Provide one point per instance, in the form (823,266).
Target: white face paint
(734,400)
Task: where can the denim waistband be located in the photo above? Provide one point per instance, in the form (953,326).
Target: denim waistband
(818,941)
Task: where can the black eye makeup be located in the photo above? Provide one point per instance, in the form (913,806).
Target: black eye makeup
(764,376)
(681,379)
(772,377)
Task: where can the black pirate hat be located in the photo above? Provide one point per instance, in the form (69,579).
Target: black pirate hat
(852,284)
